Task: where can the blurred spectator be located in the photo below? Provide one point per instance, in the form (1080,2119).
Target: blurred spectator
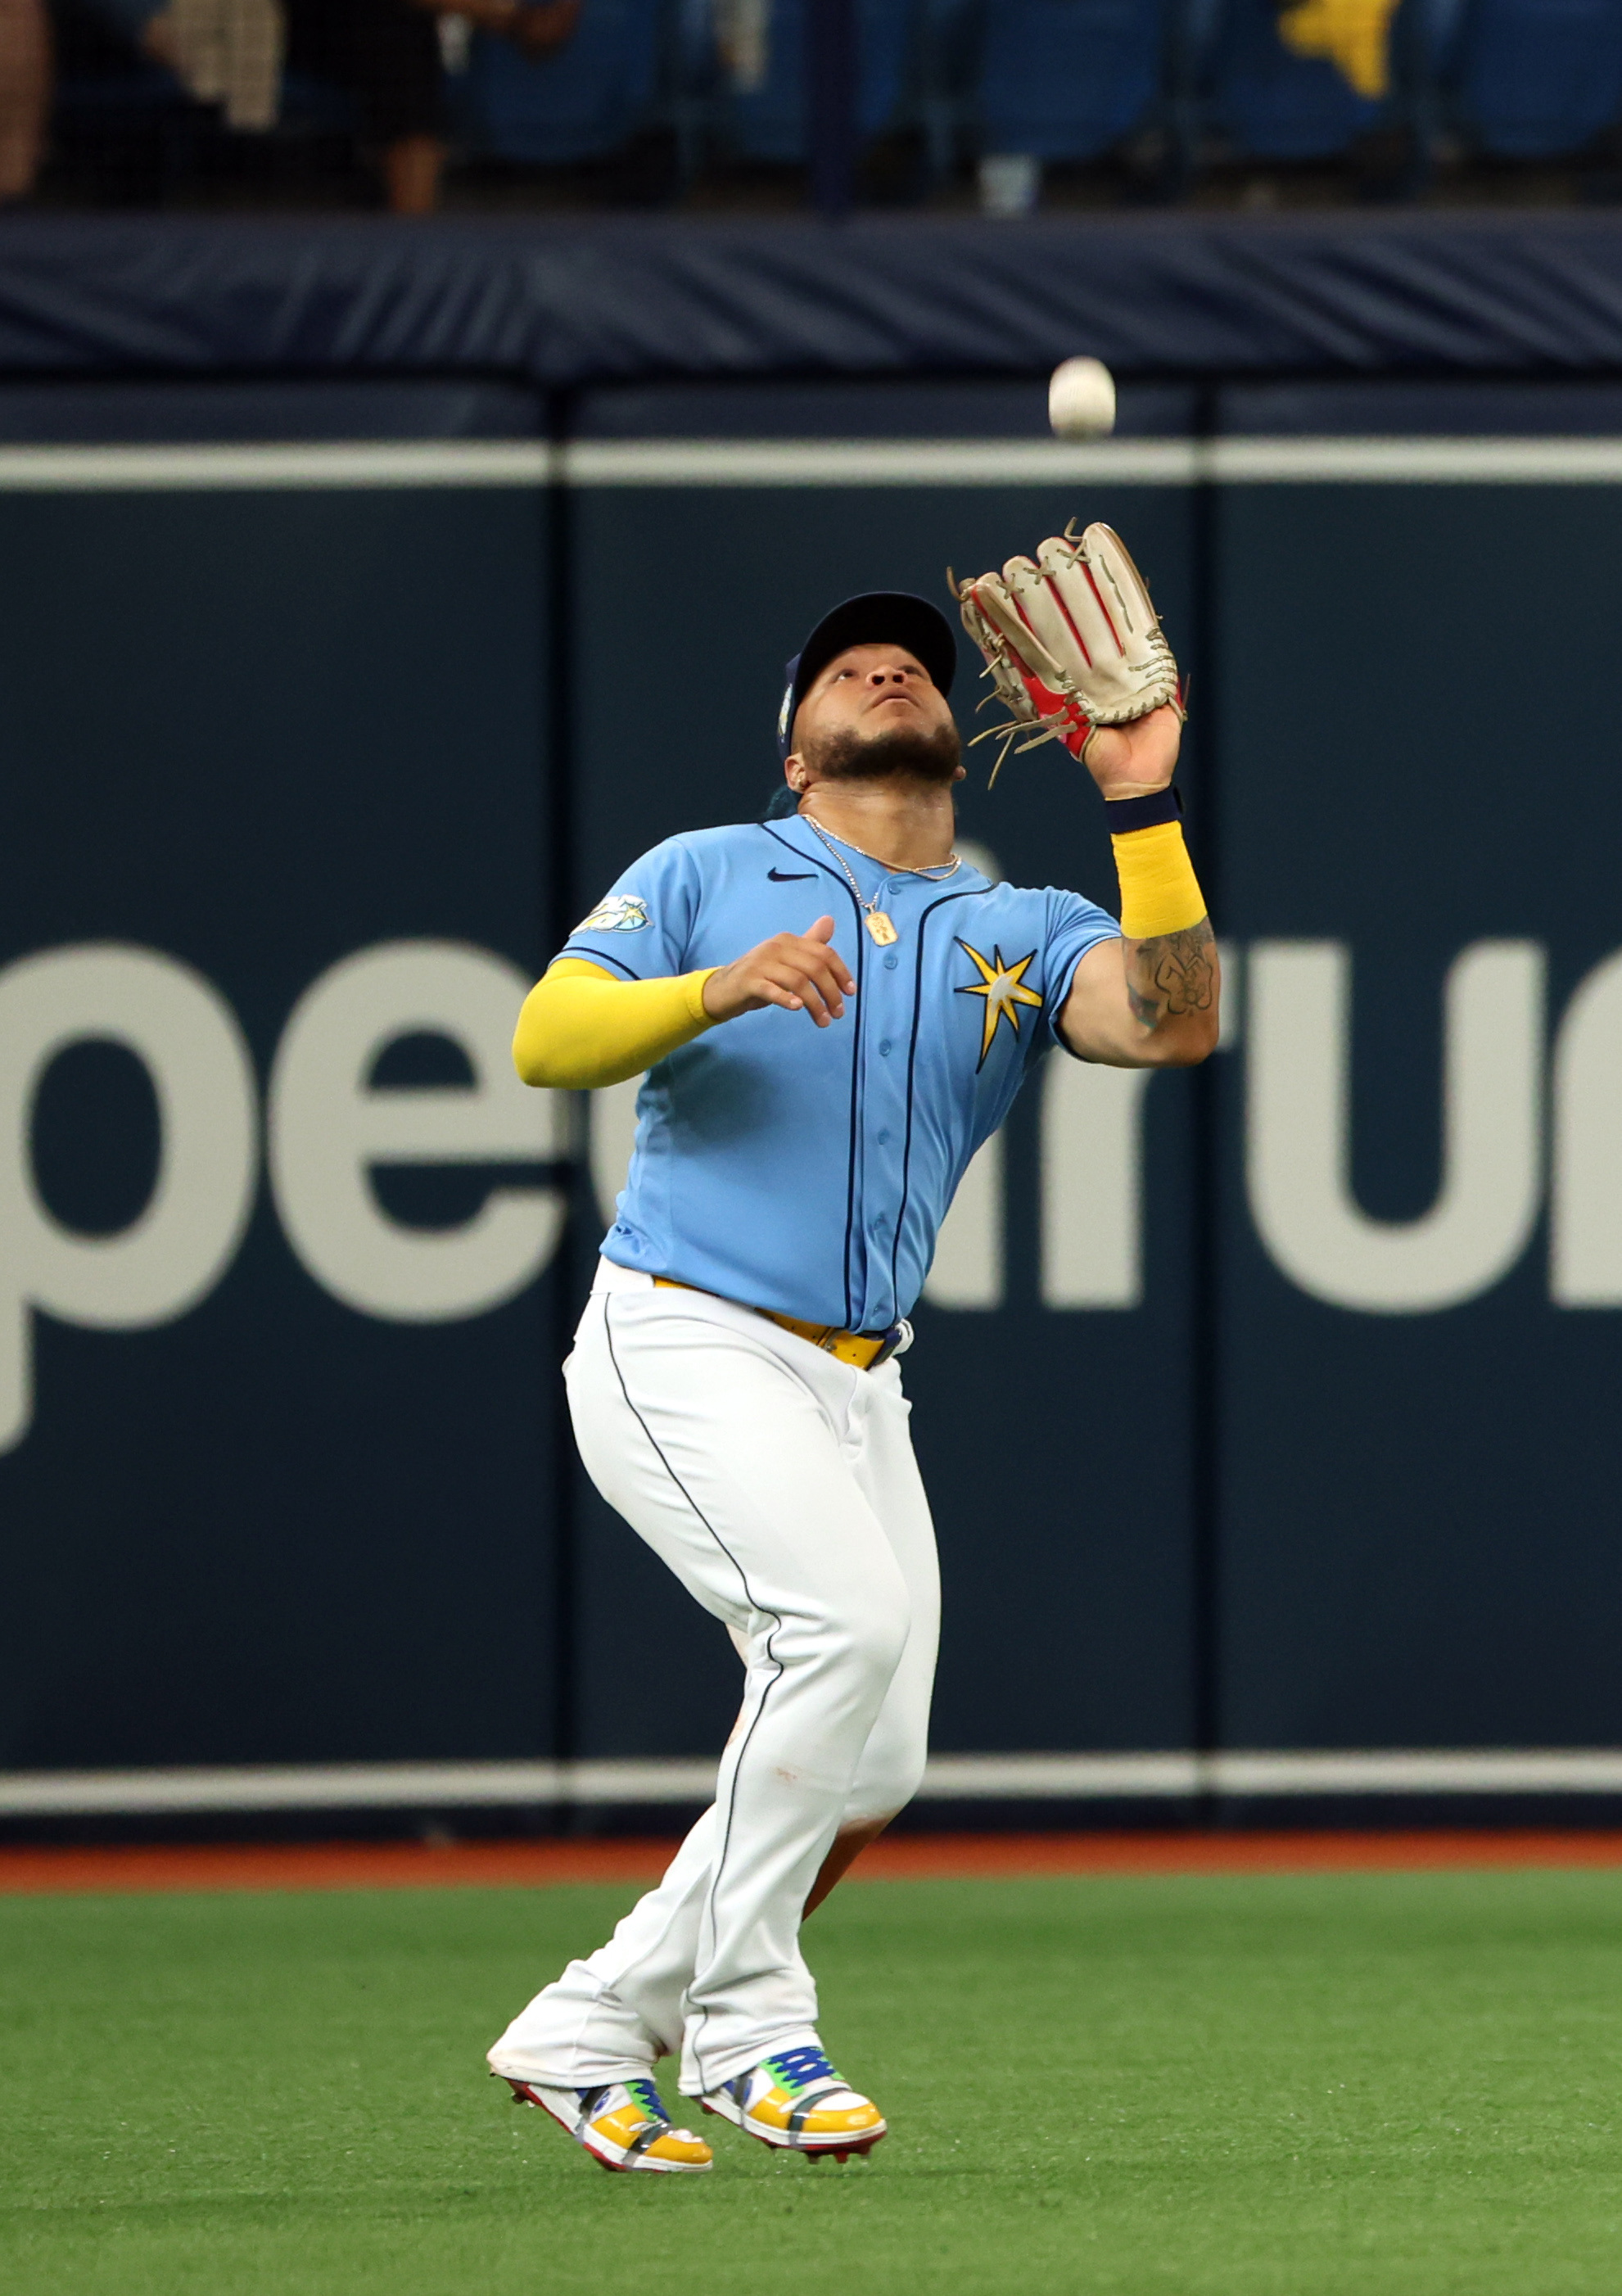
(224,51)
(25,88)
(384,54)
(744,33)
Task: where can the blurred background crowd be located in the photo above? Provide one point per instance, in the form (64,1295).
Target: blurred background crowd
(1008,105)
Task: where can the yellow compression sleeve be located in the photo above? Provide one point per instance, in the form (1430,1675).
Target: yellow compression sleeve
(580,1026)
(1159,891)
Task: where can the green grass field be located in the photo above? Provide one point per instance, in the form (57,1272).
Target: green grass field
(1286,2085)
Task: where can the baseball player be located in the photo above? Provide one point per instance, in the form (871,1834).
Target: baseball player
(834,1011)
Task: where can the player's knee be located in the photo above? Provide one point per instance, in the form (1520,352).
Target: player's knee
(908,1774)
(874,1640)
(863,1637)
(887,1784)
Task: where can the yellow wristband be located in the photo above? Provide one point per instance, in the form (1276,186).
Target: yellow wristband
(1159,891)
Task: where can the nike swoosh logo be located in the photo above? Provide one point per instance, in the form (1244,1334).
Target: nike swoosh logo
(791,876)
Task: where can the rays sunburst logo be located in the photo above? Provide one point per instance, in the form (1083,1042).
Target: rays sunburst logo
(1003,987)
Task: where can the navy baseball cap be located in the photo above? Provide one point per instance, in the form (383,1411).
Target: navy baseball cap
(877,618)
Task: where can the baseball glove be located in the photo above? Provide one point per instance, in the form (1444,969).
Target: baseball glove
(1071,641)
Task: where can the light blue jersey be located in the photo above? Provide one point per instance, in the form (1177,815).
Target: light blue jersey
(809,1169)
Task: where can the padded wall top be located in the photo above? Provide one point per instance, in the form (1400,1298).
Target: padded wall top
(568,301)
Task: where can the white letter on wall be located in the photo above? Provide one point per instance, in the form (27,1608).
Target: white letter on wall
(1299,1147)
(1092,1184)
(328,1126)
(967,1268)
(168,1259)
(1586,1225)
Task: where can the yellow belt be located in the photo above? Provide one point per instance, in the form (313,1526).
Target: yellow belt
(862,1349)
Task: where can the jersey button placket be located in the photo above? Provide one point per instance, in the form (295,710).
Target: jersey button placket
(889,1016)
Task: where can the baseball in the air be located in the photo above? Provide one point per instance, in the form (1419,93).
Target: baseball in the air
(1081,399)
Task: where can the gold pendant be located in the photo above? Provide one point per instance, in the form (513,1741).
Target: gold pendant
(882,931)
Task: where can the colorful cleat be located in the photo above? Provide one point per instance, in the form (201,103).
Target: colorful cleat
(623,2125)
(798,2104)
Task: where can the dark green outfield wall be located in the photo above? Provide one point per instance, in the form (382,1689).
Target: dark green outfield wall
(1253,1414)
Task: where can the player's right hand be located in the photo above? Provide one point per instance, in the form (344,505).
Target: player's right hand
(800,972)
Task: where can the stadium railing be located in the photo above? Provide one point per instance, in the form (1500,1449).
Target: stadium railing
(743,75)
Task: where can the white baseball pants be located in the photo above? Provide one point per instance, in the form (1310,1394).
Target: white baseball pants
(780,1486)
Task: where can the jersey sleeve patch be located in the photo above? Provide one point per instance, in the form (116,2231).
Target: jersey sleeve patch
(619,913)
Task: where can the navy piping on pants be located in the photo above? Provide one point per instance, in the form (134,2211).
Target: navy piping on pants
(714,1877)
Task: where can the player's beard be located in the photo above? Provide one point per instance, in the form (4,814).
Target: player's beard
(897,753)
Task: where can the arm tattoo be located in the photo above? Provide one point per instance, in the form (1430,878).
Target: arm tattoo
(1171,975)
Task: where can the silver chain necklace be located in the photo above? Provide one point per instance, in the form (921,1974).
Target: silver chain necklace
(877,920)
